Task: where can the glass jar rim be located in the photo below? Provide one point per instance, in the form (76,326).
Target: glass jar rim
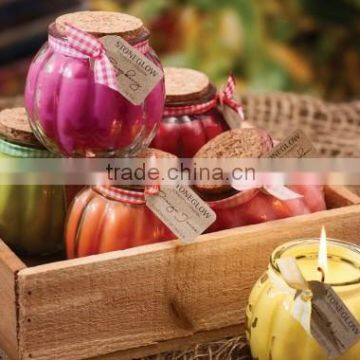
(207,95)
(233,200)
(22,150)
(281,249)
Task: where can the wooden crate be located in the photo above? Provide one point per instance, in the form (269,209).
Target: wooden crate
(145,300)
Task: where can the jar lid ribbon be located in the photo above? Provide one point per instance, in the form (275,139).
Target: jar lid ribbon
(224,97)
(80,44)
(127,196)
(19,151)
(264,182)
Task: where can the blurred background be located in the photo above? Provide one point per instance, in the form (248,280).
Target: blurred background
(303,46)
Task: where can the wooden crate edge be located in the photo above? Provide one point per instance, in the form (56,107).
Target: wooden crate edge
(169,245)
(10,264)
(229,250)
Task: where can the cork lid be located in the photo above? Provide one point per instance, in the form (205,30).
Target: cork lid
(183,85)
(101,22)
(171,160)
(236,143)
(151,152)
(14,126)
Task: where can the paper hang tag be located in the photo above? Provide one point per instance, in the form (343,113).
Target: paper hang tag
(232,117)
(136,75)
(182,210)
(296,145)
(281,192)
(291,273)
(332,324)
(294,279)
(245,184)
(302,311)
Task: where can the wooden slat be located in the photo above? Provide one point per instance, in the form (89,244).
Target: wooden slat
(355,189)
(138,297)
(339,196)
(9,266)
(178,344)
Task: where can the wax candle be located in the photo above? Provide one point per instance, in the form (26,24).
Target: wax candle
(73,109)
(191,116)
(31,216)
(111,218)
(272,330)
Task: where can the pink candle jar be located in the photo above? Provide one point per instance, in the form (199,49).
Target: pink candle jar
(191,116)
(74,113)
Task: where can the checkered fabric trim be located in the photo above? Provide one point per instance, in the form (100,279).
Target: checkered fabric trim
(19,151)
(224,97)
(80,44)
(126,196)
(152,190)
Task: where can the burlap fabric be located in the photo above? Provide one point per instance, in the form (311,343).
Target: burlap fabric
(335,131)
(333,128)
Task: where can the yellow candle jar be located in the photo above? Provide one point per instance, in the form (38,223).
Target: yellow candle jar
(272,330)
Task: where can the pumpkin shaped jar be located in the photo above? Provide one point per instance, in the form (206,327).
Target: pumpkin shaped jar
(191,116)
(109,218)
(237,208)
(72,97)
(31,216)
(273,330)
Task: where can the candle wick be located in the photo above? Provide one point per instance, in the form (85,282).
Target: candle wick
(321,270)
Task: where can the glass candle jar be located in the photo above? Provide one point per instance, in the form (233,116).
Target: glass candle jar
(191,117)
(104,219)
(72,113)
(272,331)
(32,217)
(254,206)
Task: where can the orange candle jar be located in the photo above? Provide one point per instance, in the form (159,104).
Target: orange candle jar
(104,219)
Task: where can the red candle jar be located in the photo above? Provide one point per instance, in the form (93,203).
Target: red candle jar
(72,96)
(255,206)
(234,208)
(191,116)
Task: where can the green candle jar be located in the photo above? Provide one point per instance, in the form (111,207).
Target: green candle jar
(31,216)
